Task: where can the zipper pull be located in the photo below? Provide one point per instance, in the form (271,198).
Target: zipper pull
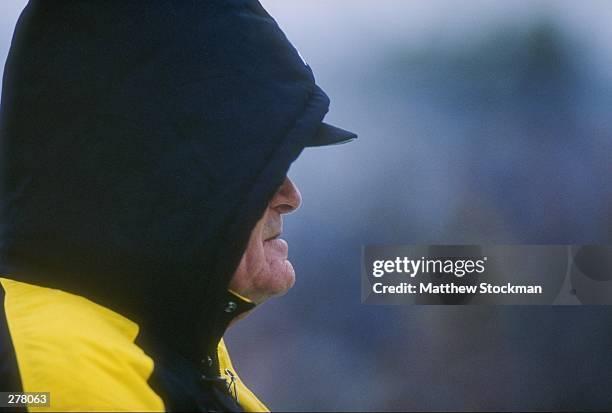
(232,383)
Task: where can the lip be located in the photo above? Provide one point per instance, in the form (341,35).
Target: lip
(277,247)
(273,237)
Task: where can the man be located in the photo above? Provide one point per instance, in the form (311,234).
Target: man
(145,147)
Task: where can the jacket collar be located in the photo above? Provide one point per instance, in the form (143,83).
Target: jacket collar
(234,305)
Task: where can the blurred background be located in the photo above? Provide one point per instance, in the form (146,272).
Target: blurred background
(479,122)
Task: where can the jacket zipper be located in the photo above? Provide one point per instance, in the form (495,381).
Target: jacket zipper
(221,377)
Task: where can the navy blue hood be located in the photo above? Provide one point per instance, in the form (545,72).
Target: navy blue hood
(141,142)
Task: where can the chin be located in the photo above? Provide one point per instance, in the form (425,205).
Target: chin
(279,280)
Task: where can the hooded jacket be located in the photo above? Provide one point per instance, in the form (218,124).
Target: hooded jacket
(140,144)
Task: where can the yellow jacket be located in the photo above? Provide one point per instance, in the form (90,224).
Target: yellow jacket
(84,354)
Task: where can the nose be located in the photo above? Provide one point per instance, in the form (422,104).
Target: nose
(287,198)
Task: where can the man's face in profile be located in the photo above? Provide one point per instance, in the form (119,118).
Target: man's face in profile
(264,270)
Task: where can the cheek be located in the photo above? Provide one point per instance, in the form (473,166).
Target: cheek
(275,274)
(264,270)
